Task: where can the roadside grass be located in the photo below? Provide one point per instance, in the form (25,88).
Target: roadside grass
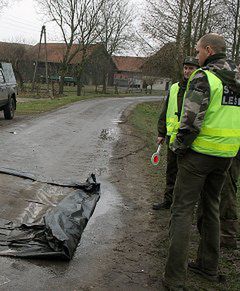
(34,106)
(144,120)
(32,103)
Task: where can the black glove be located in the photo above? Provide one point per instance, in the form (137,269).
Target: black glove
(178,147)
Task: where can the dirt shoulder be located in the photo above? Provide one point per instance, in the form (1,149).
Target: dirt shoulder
(138,257)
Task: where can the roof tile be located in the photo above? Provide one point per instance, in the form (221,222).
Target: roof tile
(129,64)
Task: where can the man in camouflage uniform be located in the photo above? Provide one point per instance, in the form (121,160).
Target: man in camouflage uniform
(206,141)
(229,224)
(190,64)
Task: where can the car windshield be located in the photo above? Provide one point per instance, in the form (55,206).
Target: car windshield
(8,73)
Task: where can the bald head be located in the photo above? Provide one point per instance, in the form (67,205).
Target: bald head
(208,45)
(215,41)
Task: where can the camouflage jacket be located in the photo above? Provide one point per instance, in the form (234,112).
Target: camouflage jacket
(162,129)
(198,97)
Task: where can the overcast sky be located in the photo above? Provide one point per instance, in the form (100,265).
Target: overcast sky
(20,22)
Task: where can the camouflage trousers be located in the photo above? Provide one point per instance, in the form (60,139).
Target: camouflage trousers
(197,173)
(228,207)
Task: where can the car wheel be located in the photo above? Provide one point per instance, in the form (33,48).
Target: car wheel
(9,109)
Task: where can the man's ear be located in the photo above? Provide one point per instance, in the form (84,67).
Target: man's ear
(209,50)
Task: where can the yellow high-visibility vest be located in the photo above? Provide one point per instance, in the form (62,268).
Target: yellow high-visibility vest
(172,122)
(220,132)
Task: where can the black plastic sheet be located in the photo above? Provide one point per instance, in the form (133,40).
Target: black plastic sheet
(58,232)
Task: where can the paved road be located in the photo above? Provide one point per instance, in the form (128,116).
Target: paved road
(65,145)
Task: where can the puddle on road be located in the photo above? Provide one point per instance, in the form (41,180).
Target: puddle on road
(108,134)
(109,200)
(117,121)
(103,152)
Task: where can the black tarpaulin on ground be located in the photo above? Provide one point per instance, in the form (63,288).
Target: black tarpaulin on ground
(60,228)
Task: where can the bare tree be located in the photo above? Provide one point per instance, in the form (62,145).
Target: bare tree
(162,63)
(164,21)
(160,20)
(3,3)
(149,81)
(179,28)
(115,25)
(114,28)
(77,21)
(6,3)
(181,22)
(231,26)
(97,66)
(142,44)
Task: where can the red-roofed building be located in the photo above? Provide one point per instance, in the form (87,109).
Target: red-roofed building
(97,60)
(56,51)
(128,71)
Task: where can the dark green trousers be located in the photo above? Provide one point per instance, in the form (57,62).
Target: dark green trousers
(171,174)
(228,206)
(197,173)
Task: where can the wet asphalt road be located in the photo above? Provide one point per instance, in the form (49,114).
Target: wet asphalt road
(65,145)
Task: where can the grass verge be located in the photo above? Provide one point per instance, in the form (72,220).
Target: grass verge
(42,105)
(144,121)
(27,105)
